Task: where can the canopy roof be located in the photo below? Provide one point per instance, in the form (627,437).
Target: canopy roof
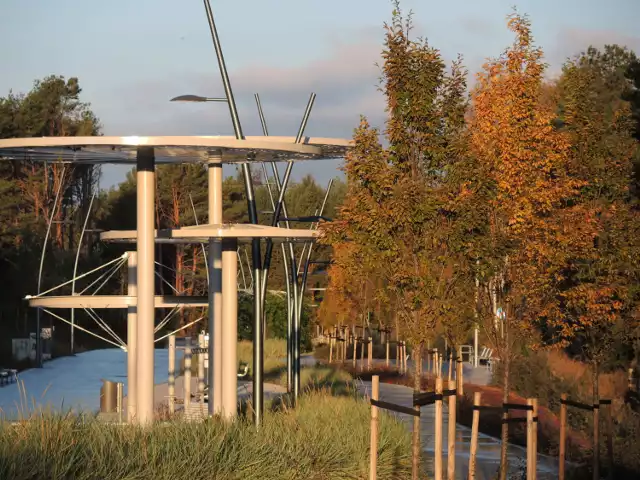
(202,233)
(112,301)
(170,149)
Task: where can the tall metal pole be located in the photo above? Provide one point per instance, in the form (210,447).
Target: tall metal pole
(44,249)
(303,283)
(215,286)
(132,331)
(276,176)
(75,272)
(253,218)
(258,334)
(226,84)
(293,311)
(146,280)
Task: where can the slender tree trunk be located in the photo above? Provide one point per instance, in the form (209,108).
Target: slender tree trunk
(415,444)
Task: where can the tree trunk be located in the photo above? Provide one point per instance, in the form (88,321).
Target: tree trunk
(504,466)
(180,277)
(415,443)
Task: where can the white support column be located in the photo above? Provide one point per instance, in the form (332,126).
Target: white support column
(229,329)
(132,333)
(172,374)
(201,370)
(145,178)
(215,286)
(187,373)
(475,347)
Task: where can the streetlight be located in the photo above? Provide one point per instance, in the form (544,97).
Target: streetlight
(197,98)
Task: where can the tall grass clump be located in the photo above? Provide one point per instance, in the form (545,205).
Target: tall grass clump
(324,438)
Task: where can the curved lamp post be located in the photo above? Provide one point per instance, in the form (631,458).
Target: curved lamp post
(196,98)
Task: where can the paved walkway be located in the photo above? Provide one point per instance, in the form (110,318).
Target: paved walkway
(488,447)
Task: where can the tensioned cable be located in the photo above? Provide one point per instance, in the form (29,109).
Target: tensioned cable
(107,327)
(102,324)
(168,317)
(170,286)
(204,250)
(179,329)
(111,274)
(83,329)
(121,258)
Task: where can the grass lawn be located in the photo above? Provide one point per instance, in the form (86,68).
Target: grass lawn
(325,437)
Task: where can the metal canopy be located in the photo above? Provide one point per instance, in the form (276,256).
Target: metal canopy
(170,149)
(113,301)
(202,233)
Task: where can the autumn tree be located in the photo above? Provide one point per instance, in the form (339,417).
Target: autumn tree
(601,295)
(532,228)
(393,210)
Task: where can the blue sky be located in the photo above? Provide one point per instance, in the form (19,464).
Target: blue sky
(131,56)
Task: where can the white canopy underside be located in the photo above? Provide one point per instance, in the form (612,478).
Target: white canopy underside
(113,301)
(170,149)
(202,233)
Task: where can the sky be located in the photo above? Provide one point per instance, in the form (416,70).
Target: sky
(132,56)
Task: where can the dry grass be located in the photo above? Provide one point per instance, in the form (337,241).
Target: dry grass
(326,437)
(611,385)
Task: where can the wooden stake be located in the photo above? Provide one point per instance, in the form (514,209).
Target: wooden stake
(450,366)
(451,447)
(563,437)
(609,419)
(438,432)
(530,473)
(596,441)
(370,354)
(475,424)
(435,362)
(534,450)
(373,455)
(460,373)
(355,352)
(386,336)
(331,350)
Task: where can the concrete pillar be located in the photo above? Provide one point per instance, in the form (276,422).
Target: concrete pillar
(229,328)
(172,374)
(132,333)
(145,178)
(215,286)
